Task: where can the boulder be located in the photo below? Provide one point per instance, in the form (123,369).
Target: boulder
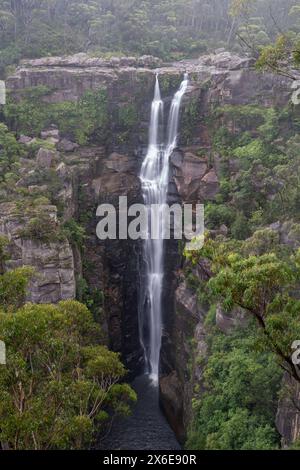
(38,189)
(209,186)
(149,61)
(45,158)
(226,60)
(66,145)
(24,139)
(50,133)
(288,231)
(224,230)
(188,173)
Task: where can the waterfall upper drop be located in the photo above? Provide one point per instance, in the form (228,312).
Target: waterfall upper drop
(154,177)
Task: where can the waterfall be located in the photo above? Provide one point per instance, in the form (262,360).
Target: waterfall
(154,177)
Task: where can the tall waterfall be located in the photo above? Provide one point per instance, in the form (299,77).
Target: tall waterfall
(154,177)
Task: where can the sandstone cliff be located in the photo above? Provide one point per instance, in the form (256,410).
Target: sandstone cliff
(107,166)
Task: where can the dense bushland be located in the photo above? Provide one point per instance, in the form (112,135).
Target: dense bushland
(166,28)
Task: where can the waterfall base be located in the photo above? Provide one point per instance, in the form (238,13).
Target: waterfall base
(147,427)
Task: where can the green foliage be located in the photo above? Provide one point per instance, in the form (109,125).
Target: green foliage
(259,150)
(54,183)
(3,255)
(253,150)
(10,153)
(260,284)
(240,124)
(237,410)
(13,285)
(42,228)
(218,214)
(210,318)
(190,119)
(240,228)
(58,381)
(93,298)
(27,115)
(169,83)
(128,116)
(274,57)
(262,241)
(250,281)
(259,165)
(82,119)
(74,232)
(244,117)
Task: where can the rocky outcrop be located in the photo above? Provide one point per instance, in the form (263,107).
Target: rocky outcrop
(66,145)
(230,78)
(210,186)
(83,60)
(53,262)
(228,61)
(45,158)
(190,173)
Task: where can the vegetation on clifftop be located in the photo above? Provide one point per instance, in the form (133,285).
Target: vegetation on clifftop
(171,29)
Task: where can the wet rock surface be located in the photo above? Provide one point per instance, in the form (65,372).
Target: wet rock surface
(178,354)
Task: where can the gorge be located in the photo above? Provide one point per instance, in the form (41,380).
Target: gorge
(89,145)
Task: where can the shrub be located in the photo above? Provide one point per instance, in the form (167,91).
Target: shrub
(74,232)
(42,228)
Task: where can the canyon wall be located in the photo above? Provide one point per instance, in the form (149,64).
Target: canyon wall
(108,167)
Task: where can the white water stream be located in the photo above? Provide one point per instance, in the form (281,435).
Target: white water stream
(155,179)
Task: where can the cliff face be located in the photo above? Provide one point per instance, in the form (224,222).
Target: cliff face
(53,263)
(288,416)
(107,167)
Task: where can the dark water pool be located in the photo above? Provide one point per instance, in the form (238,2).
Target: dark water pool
(147,427)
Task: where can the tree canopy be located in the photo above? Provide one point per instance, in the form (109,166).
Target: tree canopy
(59,385)
(166,28)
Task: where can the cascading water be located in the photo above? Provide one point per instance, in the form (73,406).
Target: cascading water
(154,177)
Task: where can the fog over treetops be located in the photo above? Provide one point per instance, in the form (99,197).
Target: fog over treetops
(170,29)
